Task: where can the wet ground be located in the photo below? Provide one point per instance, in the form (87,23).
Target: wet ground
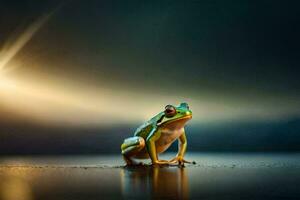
(215,176)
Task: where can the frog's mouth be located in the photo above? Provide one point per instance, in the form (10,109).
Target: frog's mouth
(175,123)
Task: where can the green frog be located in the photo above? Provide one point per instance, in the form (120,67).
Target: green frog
(156,136)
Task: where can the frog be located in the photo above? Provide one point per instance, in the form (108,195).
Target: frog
(156,135)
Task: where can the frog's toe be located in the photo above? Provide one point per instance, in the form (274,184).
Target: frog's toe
(181,161)
(163,163)
(189,162)
(174,160)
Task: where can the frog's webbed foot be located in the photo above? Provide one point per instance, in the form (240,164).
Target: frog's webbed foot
(179,160)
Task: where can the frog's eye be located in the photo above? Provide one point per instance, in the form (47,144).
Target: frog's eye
(170,111)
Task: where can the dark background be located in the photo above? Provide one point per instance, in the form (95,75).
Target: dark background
(240,56)
(231,137)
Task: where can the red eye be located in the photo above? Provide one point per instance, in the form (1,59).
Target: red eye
(170,111)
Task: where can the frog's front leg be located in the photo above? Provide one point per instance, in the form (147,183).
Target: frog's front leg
(130,147)
(182,145)
(151,148)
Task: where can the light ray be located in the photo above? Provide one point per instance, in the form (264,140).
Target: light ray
(14,44)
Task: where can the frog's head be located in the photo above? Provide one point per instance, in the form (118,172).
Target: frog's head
(172,114)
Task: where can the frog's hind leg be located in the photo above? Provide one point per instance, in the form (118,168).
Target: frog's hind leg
(130,147)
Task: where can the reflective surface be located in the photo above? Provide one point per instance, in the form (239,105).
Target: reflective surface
(216,176)
(155,182)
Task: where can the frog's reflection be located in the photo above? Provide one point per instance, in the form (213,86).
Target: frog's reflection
(154,182)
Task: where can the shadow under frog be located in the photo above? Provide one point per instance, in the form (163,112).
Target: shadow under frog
(154,182)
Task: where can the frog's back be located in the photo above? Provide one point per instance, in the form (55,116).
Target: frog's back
(144,130)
